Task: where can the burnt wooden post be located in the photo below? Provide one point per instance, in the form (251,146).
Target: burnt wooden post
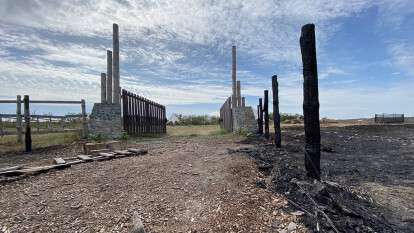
(243,102)
(266,113)
(28,135)
(260,116)
(84,120)
(310,102)
(276,115)
(19,119)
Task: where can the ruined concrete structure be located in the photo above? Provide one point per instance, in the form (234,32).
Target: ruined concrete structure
(234,115)
(105,119)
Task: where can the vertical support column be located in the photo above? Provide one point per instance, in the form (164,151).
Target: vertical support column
(19,119)
(233,77)
(238,94)
(28,134)
(260,116)
(243,102)
(115,70)
(104,98)
(108,76)
(276,114)
(311,102)
(266,113)
(84,121)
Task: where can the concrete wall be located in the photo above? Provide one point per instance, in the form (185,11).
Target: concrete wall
(105,120)
(244,120)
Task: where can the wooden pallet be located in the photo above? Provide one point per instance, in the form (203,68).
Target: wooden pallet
(62,163)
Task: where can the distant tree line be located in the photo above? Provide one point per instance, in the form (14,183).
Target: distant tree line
(289,118)
(179,119)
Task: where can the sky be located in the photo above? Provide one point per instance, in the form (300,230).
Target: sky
(178,52)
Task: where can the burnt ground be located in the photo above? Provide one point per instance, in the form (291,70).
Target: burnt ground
(208,184)
(181,185)
(367,177)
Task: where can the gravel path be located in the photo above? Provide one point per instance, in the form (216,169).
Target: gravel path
(182,185)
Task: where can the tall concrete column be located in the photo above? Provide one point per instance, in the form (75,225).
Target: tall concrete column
(238,94)
(116,87)
(233,77)
(103,88)
(109,76)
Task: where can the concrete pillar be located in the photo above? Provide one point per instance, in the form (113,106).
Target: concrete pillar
(238,94)
(103,88)
(116,87)
(233,77)
(109,76)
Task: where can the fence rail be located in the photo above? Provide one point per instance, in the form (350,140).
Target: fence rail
(389,118)
(142,116)
(226,116)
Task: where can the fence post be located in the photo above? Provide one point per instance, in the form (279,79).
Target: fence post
(243,102)
(266,113)
(260,116)
(147,120)
(28,135)
(19,119)
(310,102)
(84,120)
(276,115)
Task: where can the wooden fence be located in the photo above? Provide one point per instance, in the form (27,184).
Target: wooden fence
(27,118)
(142,116)
(389,118)
(226,116)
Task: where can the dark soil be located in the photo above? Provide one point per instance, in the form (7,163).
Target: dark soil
(367,177)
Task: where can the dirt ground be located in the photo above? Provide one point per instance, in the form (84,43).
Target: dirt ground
(224,184)
(367,174)
(186,184)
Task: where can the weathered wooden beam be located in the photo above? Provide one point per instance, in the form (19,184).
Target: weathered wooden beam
(310,102)
(19,128)
(85,158)
(276,114)
(85,130)
(260,116)
(28,135)
(266,114)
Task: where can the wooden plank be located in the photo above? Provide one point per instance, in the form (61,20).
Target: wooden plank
(5,169)
(107,155)
(54,102)
(123,152)
(59,161)
(85,158)
(138,151)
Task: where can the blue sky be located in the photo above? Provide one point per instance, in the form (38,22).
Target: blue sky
(179,52)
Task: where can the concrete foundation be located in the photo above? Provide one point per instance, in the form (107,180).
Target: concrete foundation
(105,120)
(244,120)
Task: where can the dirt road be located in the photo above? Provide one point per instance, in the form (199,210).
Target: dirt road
(182,185)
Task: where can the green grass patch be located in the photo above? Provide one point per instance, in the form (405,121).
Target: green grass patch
(9,143)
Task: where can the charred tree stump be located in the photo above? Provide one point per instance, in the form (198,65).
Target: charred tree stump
(266,114)
(310,102)
(276,115)
(260,116)
(28,134)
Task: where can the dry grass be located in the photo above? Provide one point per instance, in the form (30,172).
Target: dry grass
(194,130)
(9,143)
